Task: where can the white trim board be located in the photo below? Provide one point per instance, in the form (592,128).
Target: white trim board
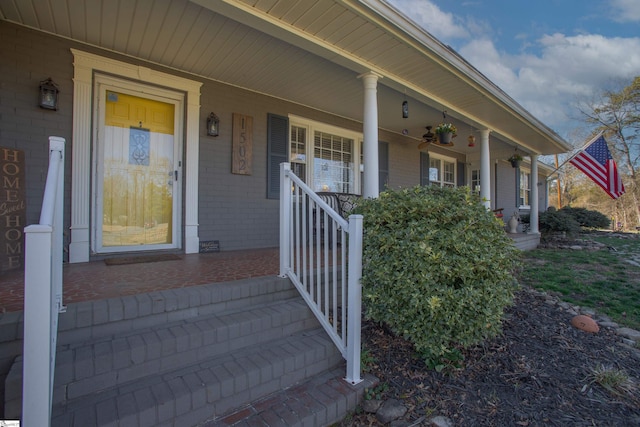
(85,65)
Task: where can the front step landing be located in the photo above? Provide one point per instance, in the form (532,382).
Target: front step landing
(322,401)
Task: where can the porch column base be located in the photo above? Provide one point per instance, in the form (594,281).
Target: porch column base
(79,246)
(192,241)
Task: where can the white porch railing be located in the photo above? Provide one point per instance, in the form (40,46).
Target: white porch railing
(43,295)
(321,253)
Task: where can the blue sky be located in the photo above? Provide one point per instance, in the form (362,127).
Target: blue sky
(549,55)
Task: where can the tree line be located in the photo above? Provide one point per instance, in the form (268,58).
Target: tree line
(616,113)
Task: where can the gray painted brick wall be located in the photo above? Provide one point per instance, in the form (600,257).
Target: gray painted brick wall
(233,209)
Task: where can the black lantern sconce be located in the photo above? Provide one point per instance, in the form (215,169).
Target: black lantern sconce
(405,110)
(49,94)
(213,125)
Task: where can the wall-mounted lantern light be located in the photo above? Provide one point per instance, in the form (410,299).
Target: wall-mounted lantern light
(213,125)
(49,94)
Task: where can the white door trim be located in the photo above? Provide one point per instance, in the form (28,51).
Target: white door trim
(103,83)
(85,65)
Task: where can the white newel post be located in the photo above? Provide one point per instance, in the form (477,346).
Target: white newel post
(354,299)
(43,294)
(485,168)
(370,135)
(533,215)
(38,347)
(285,218)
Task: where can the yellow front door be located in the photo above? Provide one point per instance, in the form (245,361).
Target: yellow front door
(138,174)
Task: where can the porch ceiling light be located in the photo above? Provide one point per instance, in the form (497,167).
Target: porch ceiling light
(49,94)
(213,125)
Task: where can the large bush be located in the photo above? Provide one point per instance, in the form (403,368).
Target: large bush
(437,267)
(587,218)
(558,221)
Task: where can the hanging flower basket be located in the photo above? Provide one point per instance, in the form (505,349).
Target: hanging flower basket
(515,160)
(445,138)
(445,132)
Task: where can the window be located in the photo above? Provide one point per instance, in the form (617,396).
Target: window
(328,162)
(442,172)
(332,163)
(298,156)
(475,181)
(525,188)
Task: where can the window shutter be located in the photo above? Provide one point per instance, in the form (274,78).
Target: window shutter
(424,168)
(461,174)
(277,144)
(383,166)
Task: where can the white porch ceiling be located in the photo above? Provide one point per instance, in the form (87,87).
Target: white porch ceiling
(308,52)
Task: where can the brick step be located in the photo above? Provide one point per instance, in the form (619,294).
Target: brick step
(322,400)
(200,393)
(93,366)
(110,317)
(187,357)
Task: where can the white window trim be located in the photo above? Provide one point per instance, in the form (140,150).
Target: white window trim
(524,171)
(446,159)
(472,167)
(313,126)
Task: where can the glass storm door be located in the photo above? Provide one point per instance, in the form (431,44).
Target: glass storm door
(137,180)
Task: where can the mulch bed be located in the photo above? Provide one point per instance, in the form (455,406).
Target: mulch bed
(539,372)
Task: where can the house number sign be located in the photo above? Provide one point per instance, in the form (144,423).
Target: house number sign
(242,145)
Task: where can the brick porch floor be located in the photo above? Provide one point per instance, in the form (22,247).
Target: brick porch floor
(96,280)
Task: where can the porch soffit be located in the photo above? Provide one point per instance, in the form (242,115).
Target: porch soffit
(311,55)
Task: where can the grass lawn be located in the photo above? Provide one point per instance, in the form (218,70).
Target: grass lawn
(603,280)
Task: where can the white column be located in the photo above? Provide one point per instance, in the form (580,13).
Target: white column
(485,168)
(81,162)
(191,175)
(370,134)
(533,215)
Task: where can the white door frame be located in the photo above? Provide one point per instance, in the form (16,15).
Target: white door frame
(85,67)
(103,83)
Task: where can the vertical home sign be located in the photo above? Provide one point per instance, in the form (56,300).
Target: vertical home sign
(242,145)
(13,211)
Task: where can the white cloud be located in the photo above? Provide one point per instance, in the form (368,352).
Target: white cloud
(548,83)
(440,24)
(626,10)
(568,69)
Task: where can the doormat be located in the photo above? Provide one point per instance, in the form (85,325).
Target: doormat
(141,259)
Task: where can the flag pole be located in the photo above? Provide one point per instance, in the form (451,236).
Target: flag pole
(575,154)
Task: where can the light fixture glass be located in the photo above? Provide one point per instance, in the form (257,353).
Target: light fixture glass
(213,125)
(49,94)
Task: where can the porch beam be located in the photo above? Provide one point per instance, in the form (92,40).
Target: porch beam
(370,134)
(485,168)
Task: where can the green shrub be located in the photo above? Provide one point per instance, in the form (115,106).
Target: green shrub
(554,221)
(437,268)
(587,218)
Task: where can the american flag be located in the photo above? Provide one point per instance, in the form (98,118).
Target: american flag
(596,162)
